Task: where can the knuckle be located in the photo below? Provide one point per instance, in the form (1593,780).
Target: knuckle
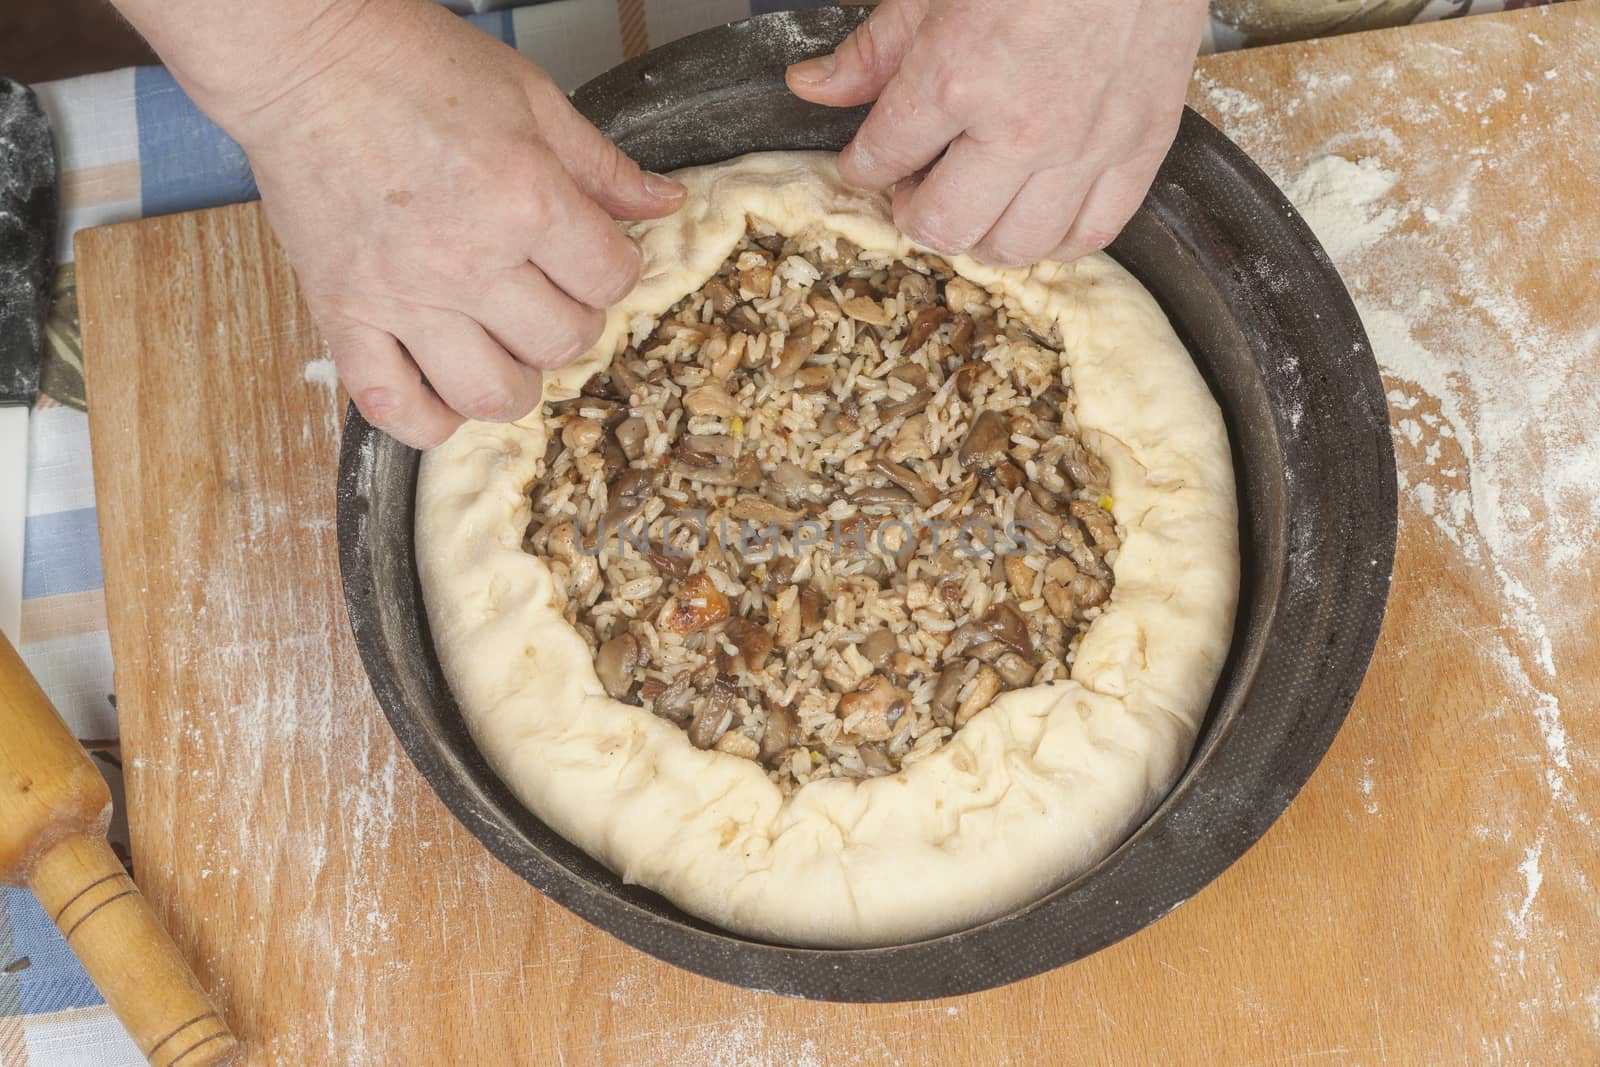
(613,168)
(621,274)
(955,96)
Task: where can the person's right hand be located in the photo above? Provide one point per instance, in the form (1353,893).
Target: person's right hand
(448,212)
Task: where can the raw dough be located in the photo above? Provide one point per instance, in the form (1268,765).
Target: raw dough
(1031,792)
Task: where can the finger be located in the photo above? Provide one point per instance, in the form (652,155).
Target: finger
(858,69)
(902,134)
(387,387)
(536,322)
(962,197)
(1037,219)
(604,173)
(579,247)
(469,371)
(1110,203)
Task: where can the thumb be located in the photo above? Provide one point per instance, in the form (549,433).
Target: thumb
(608,177)
(859,68)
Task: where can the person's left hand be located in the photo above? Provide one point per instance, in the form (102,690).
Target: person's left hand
(1018,131)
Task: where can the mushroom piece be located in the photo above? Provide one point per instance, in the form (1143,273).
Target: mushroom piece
(581,435)
(797,348)
(822,305)
(795,485)
(1098,522)
(722,298)
(947,695)
(613,460)
(875,759)
(709,399)
(778,735)
(1090,591)
(713,716)
(628,377)
(1081,465)
(674,563)
(813,609)
(908,480)
(927,322)
(696,605)
(961,336)
(813,379)
(1037,521)
(1046,500)
(1049,404)
(628,493)
(1013,670)
(744,318)
(1019,577)
(752,641)
(905,668)
(788,630)
(986,442)
(879,647)
(744,473)
(780,572)
(960,294)
(1006,474)
(1005,623)
(633,435)
(615,664)
(912,285)
(911,405)
(985,687)
(872,710)
(673,702)
(693,447)
(910,441)
(1060,574)
(732,356)
(757,281)
(891,496)
(865,309)
(760,509)
(913,374)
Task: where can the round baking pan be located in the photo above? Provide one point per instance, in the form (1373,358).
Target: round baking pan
(1276,337)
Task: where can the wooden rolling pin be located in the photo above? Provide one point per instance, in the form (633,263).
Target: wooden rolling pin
(54,808)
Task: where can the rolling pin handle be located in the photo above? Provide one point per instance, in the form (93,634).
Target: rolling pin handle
(53,811)
(82,886)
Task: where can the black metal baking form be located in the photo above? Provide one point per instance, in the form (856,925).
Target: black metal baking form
(1273,331)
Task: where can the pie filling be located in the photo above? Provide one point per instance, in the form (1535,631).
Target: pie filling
(826,509)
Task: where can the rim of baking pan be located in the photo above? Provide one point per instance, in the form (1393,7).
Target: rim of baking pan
(1319,553)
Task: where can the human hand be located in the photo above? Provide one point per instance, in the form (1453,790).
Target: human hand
(1018,131)
(448,214)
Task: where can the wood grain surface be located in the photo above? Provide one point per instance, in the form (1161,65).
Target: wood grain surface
(1430,896)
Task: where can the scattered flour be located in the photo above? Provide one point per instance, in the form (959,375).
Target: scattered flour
(322,372)
(1496,413)
(1368,786)
(1342,201)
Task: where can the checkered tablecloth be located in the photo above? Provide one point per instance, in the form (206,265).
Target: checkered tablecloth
(131,145)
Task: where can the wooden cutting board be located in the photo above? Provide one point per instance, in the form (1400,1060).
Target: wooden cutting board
(1431,896)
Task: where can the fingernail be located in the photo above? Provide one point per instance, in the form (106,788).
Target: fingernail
(813,71)
(662,186)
